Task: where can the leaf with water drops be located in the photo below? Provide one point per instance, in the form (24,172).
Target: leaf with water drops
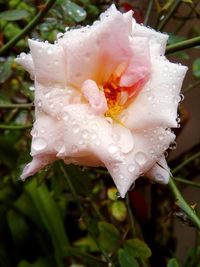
(196,68)
(74,11)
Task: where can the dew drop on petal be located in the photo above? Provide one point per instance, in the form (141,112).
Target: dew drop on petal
(39,144)
(140,158)
(85,134)
(131,168)
(76,128)
(173,145)
(112,149)
(118,195)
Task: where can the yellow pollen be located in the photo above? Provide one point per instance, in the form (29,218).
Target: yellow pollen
(113,91)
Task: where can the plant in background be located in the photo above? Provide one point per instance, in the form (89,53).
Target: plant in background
(105,96)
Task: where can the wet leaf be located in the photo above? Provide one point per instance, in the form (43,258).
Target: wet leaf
(172,263)
(196,68)
(137,248)
(126,259)
(74,11)
(108,236)
(6,69)
(14,15)
(118,210)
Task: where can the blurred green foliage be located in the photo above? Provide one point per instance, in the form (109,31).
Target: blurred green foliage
(41,224)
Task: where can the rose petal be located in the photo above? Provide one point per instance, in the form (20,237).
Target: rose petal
(49,62)
(157,103)
(27,62)
(160,172)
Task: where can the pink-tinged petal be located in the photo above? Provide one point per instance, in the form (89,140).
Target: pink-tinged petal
(160,172)
(157,102)
(27,62)
(47,136)
(51,99)
(38,162)
(139,64)
(147,150)
(157,40)
(89,134)
(95,97)
(93,52)
(49,62)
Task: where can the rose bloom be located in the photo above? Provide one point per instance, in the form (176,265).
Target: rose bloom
(105,95)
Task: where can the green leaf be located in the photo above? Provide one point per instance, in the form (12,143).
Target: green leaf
(85,257)
(109,236)
(38,263)
(126,259)
(86,243)
(196,68)
(6,69)
(80,180)
(18,227)
(49,213)
(119,210)
(112,193)
(172,263)
(14,15)
(74,11)
(137,248)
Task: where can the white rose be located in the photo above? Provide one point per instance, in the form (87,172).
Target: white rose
(105,95)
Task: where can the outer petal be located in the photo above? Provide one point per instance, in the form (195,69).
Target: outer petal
(157,103)
(147,150)
(157,40)
(49,62)
(94,52)
(27,62)
(160,172)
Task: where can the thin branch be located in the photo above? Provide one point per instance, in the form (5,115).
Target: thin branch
(183,45)
(84,215)
(130,215)
(167,16)
(183,204)
(15,127)
(21,106)
(148,12)
(185,162)
(184,181)
(191,86)
(28,28)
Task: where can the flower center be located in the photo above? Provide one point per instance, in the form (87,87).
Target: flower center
(114,93)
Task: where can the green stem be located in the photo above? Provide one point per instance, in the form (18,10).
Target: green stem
(183,45)
(28,28)
(148,12)
(84,215)
(168,15)
(22,106)
(183,204)
(130,215)
(191,86)
(185,162)
(15,127)
(184,181)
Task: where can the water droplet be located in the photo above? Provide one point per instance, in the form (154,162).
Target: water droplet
(74,149)
(161,137)
(98,142)
(34,133)
(166,68)
(59,35)
(32,88)
(85,134)
(118,194)
(132,187)
(39,144)
(66,117)
(181,97)
(94,136)
(173,145)
(49,51)
(76,128)
(140,158)
(131,168)
(42,130)
(112,149)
